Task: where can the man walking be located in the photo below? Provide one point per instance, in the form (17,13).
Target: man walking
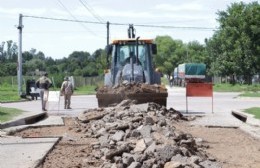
(67,90)
(44,83)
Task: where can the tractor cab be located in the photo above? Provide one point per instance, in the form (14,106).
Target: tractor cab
(132,58)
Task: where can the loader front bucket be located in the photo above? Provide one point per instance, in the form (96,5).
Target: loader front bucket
(108,99)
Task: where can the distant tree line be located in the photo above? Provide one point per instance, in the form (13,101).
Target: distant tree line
(233,51)
(8,58)
(78,63)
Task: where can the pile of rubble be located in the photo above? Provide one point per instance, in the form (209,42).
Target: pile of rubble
(142,136)
(129,88)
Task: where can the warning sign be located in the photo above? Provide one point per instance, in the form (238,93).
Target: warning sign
(199,90)
(54,96)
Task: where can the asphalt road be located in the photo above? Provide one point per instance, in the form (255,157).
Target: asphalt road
(221,103)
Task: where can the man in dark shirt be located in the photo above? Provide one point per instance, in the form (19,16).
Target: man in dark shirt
(43,83)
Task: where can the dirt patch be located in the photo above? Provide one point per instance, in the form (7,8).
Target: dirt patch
(71,150)
(233,147)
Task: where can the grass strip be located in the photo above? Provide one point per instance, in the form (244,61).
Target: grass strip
(85,90)
(250,94)
(236,88)
(254,111)
(6,114)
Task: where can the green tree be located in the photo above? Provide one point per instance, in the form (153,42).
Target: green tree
(2,52)
(172,52)
(27,56)
(3,70)
(50,61)
(40,55)
(166,59)
(53,69)
(8,53)
(33,64)
(11,68)
(100,60)
(196,52)
(9,49)
(237,41)
(81,58)
(90,70)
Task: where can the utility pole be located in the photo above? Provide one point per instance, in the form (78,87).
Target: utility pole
(107,32)
(19,63)
(107,42)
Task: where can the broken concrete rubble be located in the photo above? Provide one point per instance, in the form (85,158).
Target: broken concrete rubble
(126,88)
(143,136)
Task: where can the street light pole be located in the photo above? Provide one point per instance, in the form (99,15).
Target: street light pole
(19,63)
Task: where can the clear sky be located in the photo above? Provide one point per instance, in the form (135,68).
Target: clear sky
(58,39)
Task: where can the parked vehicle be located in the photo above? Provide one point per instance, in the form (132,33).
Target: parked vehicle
(190,72)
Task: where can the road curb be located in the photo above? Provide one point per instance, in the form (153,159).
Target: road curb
(247,118)
(239,115)
(25,120)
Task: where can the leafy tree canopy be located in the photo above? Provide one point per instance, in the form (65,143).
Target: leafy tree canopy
(235,47)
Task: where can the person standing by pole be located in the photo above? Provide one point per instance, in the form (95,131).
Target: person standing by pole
(67,90)
(44,83)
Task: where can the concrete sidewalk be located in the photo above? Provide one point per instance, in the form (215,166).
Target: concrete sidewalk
(29,152)
(24,153)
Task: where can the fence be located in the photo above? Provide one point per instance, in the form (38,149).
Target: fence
(79,81)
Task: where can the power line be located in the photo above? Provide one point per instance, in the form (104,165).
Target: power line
(75,18)
(60,19)
(175,27)
(124,24)
(91,10)
(173,21)
(59,32)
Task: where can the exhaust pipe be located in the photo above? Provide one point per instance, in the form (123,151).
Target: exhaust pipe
(137,51)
